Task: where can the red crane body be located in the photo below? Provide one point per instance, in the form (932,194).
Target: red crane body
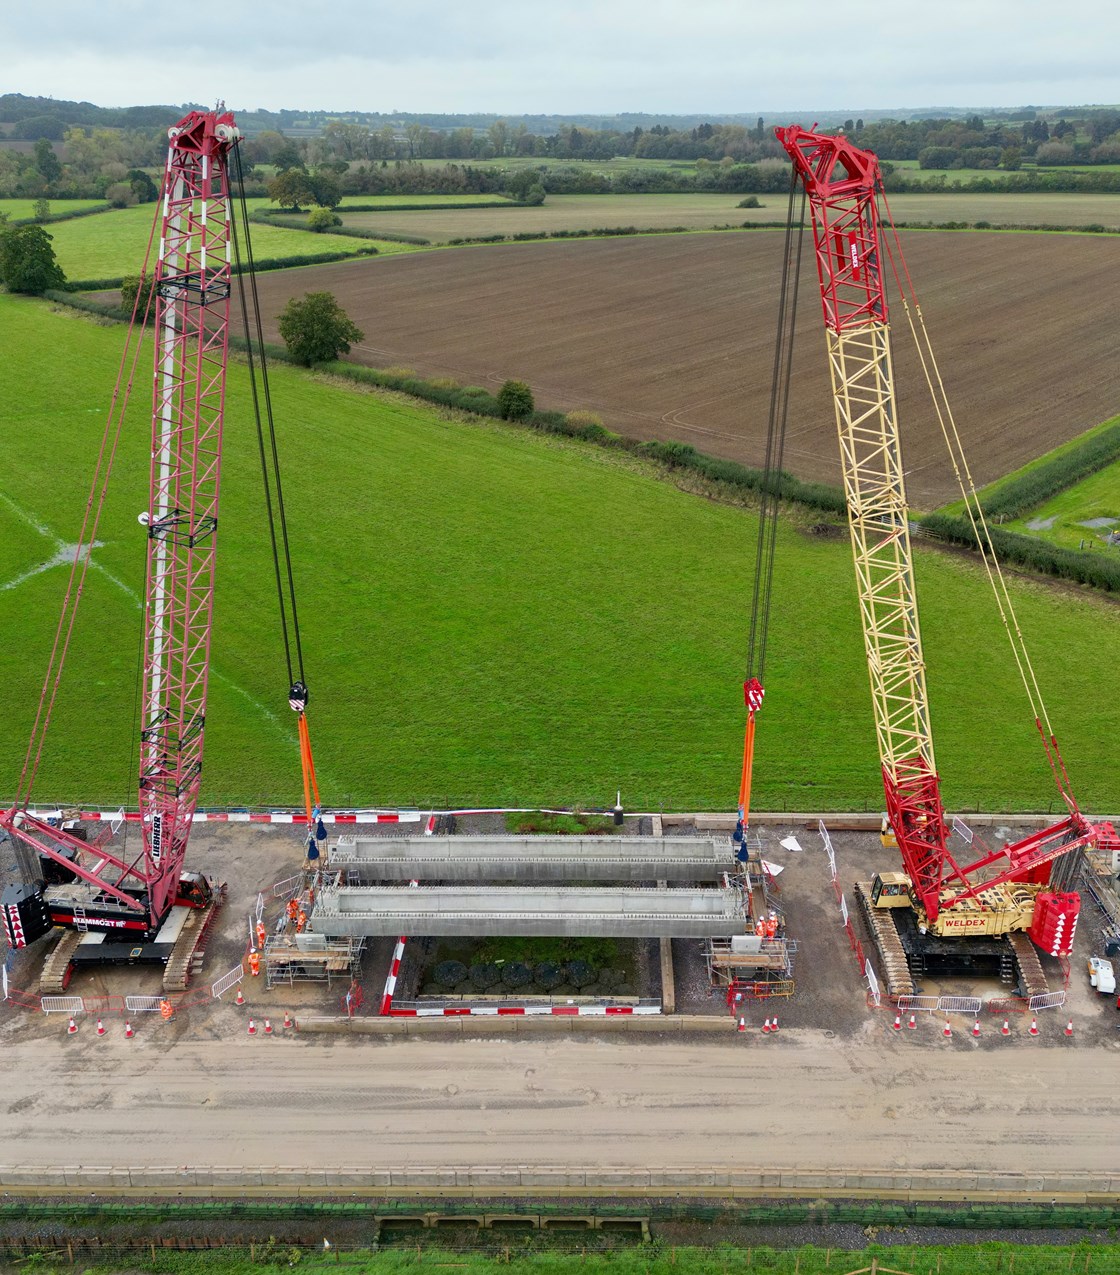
(842,184)
(101,890)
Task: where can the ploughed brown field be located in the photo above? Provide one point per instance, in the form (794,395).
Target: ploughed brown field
(672,338)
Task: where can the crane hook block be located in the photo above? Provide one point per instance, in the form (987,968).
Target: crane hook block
(298,697)
(752,694)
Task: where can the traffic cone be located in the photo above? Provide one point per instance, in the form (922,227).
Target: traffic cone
(287,1019)
(267,1028)
(72,1028)
(912,1023)
(1005,1030)
(976,1029)
(1069,1027)
(897,1022)
(240,996)
(252,1028)
(948,1030)
(128,1032)
(742,1025)
(100,1028)
(774,1025)
(766,1028)
(1034,1027)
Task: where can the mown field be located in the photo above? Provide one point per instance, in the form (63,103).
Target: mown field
(672,337)
(704,211)
(110,245)
(1062,519)
(18,209)
(495,617)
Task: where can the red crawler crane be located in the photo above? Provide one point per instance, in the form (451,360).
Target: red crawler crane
(1002,890)
(89,888)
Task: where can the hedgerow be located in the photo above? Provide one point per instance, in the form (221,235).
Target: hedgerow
(261,264)
(1015,496)
(1101,570)
(291,222)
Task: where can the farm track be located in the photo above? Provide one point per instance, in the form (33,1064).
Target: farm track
(672,337)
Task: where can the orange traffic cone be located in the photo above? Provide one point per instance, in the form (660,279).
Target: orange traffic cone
(912,1022)
(1034,1027)
(287,1019)
(267,1028)
(976,1028)
(766,1028)
(1069,1027)
(100,1028)
(948,1030)
(1005,1030)
(240,996)
(72,1028)
(128,1032)
(897,1022)
(252,1028)
(742,1025)
(774,1025)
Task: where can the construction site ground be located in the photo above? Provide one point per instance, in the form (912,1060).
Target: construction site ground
(838,1089)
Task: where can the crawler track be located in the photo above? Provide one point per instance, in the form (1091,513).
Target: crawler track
(1032,977)
(56,968)
(186,955)
(881,927)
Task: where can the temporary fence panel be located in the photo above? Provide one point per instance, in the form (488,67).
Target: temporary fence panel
(288,887)
(963,830)
(872,983)
(923,1004)
(142,1004)
(959,1004)
(117,822)
(844,909)
(4,977)
(62,1005)
(1047,1000)
(260,906)
(222,985)
(1007,1005)
(827,840)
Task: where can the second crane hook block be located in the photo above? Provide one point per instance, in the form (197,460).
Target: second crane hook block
(298,697)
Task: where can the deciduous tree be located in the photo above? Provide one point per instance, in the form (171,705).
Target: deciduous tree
(317,329)
(27,261)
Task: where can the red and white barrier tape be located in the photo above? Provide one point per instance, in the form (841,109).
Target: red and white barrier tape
(491,1011)
(238,816)
(391,981)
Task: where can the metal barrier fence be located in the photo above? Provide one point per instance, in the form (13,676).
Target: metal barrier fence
(222,985)
(142,1004)
(62,1005)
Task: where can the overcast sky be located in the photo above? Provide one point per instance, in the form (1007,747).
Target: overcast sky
(565,56)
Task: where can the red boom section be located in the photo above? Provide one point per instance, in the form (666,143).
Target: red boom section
(192,285)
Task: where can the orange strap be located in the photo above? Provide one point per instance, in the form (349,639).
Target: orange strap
(748,767)
(310,783)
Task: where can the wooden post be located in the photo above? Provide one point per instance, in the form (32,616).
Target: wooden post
(70,1252)
(252,1252)
(827,1256)
(797,1264)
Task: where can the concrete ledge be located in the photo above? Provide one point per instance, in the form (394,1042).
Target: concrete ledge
(484,1182)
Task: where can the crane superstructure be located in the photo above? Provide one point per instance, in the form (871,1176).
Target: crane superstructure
(96,890)
(1002,889)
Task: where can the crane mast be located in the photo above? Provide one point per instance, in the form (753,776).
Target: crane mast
(95,888)
(192,296)
(842,183)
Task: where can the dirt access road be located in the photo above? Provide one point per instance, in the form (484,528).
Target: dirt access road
(800,1101)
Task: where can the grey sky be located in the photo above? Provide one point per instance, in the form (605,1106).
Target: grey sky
(566,56)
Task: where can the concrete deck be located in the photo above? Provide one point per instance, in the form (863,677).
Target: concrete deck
(526,910)
(543,859)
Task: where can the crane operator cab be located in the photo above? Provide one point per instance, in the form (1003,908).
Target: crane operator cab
(890,890)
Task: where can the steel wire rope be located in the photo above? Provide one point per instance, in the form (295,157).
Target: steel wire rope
(973,507)
(87,536)
(770,501)
(265,393)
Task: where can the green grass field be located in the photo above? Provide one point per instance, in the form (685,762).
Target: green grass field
(1095,497)
(495,617)
(110,245)
(18,209)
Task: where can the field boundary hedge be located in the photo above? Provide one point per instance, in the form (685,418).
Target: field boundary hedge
(1014,496)
(50,218)
(1100,570)
(261,264)
(285,221)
